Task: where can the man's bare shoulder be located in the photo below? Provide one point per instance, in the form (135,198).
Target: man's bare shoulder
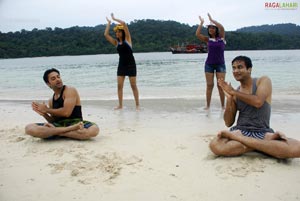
(265,80)
(70,89)
(70,92)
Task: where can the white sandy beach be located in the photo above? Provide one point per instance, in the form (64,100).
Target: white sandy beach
(158,153)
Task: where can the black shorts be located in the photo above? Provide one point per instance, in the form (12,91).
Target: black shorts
(69,122)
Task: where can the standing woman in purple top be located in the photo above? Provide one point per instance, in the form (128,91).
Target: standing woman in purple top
(127,65)
(215,63)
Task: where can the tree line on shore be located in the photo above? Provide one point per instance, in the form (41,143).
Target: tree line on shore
(147,36)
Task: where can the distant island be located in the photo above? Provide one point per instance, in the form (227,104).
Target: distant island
(147,35)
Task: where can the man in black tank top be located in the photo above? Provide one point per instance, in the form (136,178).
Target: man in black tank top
(59,103)
(63,115)
(252,131)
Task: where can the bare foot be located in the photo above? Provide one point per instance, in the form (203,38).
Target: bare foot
(77,126)
(137,108)
(81,125)
(206,108)
(230,135)
(118,108)
(278,135)
(49,125)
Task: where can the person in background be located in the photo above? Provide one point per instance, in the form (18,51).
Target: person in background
(215,63)
(63,115)
(127,65)
(252,132)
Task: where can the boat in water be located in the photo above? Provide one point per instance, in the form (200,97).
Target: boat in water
(189,49)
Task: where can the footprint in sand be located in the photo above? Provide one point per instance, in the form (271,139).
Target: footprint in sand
(239,167)
(88,168)
(181,147)
(128,130)
(10,136)
(17,139)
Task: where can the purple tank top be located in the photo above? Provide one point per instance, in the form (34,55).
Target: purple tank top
(215,51)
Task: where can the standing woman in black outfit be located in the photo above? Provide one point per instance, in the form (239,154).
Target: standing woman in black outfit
(127,66)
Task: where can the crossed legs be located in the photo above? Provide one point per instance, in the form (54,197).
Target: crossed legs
(76,131)
(235,143)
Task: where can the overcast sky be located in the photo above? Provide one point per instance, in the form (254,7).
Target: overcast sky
(233,14)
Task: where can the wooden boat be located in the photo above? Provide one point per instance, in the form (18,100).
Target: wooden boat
(189,49)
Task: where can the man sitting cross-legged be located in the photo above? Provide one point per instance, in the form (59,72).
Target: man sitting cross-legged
(63,115)
(252,131)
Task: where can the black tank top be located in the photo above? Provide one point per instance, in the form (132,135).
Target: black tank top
(126,59)
(59,103)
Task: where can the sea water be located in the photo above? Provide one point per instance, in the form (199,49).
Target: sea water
(159,74)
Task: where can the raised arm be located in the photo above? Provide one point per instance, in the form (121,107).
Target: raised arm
(198,31)
(219,25)
(126,30)
(107,35)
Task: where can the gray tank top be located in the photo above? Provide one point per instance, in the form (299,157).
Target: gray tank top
(251,118)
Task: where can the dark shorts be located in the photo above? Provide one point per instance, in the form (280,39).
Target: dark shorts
(70,122)
(211,68)
(253,134)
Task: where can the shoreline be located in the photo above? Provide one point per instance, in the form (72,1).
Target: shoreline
(280,104)
(189,113)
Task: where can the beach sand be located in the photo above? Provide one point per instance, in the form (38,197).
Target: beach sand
(158,153)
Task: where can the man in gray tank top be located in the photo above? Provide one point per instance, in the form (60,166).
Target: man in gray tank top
(252,131)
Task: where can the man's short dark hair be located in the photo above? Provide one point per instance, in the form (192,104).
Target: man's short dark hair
(47,72)
(246,60)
